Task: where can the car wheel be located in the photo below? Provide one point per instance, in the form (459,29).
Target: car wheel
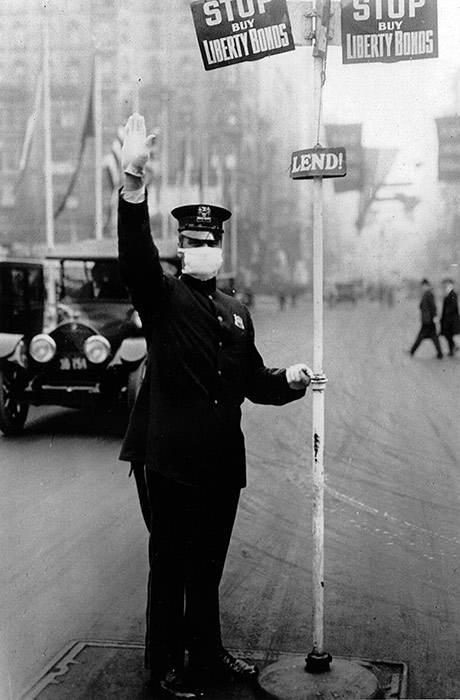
(13,410)
(134,384)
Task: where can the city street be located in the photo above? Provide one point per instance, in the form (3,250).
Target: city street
(73,544)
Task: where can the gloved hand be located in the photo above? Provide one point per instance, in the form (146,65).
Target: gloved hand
(299,376)
(137,147)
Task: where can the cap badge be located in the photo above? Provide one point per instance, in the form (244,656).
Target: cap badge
(204,214)
(238,321)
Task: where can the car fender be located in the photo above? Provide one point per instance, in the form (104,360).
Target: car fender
(8,344)
(131,350)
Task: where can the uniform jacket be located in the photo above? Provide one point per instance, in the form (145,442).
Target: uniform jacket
(428,308)
(450,317)
(202,364)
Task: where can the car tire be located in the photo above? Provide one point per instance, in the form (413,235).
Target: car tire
(135,379)
(13,410)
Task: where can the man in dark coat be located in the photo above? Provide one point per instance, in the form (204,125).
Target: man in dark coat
(450,317)
(428,314)
(184,437)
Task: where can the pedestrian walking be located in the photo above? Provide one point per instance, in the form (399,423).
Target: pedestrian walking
(429,317)
(184,437)
(450,317)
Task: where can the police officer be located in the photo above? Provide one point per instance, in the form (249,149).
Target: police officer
(184,436)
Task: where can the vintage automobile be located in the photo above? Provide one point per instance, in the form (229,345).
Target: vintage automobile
(78,344)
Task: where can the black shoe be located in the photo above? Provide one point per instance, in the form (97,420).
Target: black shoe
(174,684)
(439,357)
(238,668)
(213,669)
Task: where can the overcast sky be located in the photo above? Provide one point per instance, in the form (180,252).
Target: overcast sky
(397,104)
(393,99)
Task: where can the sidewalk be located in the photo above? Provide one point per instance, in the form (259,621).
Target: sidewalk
(99,670)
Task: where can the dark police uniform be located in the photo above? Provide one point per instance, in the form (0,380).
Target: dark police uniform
(185,428)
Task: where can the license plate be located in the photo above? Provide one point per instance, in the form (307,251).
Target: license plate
(67,364)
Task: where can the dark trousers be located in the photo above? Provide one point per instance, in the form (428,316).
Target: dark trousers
(190,533)
(427,330)
(450,342)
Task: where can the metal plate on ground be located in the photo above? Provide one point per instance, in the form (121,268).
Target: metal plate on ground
(99,670)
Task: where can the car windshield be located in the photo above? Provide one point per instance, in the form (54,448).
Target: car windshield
(88,280)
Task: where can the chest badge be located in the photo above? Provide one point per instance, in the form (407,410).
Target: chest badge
(238,321)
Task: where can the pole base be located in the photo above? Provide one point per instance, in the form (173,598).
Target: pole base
(288,679)
(318,663)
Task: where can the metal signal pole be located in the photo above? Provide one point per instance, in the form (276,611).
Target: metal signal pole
(318,661)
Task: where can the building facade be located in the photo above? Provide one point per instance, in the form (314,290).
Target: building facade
(216,138)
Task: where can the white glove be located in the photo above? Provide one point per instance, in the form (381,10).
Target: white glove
(299,376)
(137,147)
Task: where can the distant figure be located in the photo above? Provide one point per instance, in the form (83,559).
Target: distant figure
(450,317)
(281,276)
(428,313)
(299,280)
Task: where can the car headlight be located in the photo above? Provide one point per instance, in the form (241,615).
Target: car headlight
(42,348)
(97,349)
(136,319)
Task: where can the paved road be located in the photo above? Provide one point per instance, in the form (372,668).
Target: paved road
(73,545)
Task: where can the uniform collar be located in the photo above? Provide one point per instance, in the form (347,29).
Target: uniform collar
(203,286)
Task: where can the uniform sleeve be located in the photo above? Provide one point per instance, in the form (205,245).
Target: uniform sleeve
(266,385)
(140,266)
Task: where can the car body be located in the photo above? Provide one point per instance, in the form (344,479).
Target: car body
(78,344)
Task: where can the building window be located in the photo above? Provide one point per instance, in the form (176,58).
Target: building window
(19,36)
(3,117)
(8,160)
(19,70)
(68,118)
(73,72)
(73,33)
(7,191)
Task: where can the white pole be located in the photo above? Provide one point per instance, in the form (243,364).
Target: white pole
(234,219)
(49,226)
(97,102)
(164,188)
(318,383)
(135,95)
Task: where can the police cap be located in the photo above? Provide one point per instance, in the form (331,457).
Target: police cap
(201,217)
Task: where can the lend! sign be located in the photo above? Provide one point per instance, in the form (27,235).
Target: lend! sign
(233,31)
(389,30)
(318,162)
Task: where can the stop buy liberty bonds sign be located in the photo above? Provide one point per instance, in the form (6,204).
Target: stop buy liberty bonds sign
(233,31)
(318,162)
(389,30)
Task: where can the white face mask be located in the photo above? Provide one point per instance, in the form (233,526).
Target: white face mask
(203,262)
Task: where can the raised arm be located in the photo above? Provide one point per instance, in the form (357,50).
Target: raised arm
(139,260)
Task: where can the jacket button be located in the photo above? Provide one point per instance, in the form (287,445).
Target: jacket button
(220,319)
(216,401)
(220,343)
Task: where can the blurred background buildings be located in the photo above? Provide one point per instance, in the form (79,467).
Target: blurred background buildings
(219,137)
(224,136)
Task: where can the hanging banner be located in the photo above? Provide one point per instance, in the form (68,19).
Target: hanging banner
(449,148)
(318,162)
(389,30)
(377,163)
(350,136)
(234,31)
